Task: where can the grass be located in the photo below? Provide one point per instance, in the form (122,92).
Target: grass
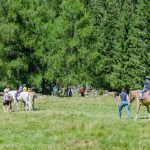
(74,124)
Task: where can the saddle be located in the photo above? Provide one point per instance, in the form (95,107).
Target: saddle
(146,97)
(17,95)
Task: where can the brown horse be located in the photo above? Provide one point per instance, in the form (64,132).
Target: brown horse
(135,96)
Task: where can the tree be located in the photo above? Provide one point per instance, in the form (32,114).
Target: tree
(139,49)
(72,31)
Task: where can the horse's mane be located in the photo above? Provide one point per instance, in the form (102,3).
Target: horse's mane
(135,91)
(134,94)
(12,91)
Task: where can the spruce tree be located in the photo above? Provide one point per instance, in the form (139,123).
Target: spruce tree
(73,30)
(138,51)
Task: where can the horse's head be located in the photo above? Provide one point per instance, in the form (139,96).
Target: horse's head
(133,95)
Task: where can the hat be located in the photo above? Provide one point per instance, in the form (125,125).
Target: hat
(147,77)
(6,90)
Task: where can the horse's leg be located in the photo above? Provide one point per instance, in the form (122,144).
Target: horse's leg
(33,104)
(148,111)
(4,108)
(10,106)
(137,110)
(22,105)
(17,106)
(30,102)
(26,105)
(30,106)
(7,108)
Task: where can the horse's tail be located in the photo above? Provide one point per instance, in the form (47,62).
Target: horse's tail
(35,95)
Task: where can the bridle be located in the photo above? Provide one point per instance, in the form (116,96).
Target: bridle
(132,97)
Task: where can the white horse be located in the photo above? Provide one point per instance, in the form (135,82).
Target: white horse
(26,97)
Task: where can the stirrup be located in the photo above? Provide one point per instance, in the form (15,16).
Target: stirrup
(141,98)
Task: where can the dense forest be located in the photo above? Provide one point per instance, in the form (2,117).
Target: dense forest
(104,43)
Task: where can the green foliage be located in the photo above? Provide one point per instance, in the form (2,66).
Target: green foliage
(104,43)
(101,92)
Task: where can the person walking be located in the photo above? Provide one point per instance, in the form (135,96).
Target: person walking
(6,101)
(123,101)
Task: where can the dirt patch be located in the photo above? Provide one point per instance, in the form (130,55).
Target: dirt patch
(85,143)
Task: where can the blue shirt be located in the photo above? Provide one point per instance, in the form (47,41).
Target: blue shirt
(123,96)
(147,85)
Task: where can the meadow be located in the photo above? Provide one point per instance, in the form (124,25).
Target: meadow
(76,123)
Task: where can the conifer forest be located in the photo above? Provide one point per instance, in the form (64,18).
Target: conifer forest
(102,43)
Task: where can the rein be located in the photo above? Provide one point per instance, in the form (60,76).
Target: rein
(133,96)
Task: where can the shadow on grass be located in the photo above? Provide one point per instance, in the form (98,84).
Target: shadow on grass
(39,109)
(144,118)
(35,109)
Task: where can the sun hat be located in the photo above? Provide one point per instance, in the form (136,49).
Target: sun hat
(6,90)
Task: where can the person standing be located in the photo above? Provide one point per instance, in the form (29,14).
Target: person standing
(6,101)
(123,102)
(82,91)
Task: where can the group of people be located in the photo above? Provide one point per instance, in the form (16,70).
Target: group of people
(7,97)
(123,100)
(62,91)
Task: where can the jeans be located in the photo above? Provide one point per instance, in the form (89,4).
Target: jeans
(124,104)
(143,91)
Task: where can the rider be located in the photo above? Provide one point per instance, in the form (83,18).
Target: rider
(24,88)
(123,102)
(20,89)
(146,86)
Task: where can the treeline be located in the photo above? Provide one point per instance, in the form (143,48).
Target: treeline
(105,43)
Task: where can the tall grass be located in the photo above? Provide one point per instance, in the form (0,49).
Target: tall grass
(74,124)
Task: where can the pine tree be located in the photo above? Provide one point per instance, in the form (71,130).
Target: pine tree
(105,14)
(72,30)
(138,51)
(101,42)
(118,77)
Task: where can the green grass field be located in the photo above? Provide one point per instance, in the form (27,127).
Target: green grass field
(73,124)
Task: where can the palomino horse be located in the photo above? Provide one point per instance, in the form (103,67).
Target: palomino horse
(134,96)
(26,97)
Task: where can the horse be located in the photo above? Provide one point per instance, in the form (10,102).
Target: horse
(26,97)
(135,96)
